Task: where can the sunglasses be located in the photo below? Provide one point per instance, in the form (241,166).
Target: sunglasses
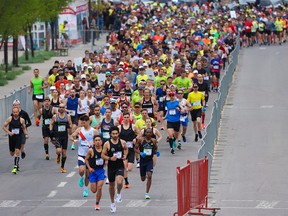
(61,107)
(124,107)
(97,88)
(137,107)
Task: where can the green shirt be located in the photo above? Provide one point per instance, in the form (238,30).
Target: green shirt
(183,83)
(36,84)
(159,79)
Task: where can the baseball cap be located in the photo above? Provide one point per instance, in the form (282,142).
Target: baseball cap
(69,78)
(160,64)
(16,101)
(52,88)
(140,88)
(108,73)
(45,98)
(83,76)
(141,67)
(120,69)
(112,100)
(90,68)
(172,93)
(145,65)
(109,91)
(195,85)
(121,63)
(195,71)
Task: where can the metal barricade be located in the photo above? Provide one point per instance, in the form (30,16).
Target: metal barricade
(192,189)
(211,133)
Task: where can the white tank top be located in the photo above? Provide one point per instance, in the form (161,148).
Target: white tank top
(84,87)
(91,101)
(85,141)
(85,106)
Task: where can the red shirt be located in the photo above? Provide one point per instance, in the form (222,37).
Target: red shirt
(57,84)
(248,25)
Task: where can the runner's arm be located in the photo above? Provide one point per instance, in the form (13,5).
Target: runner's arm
(6,123)
(75,134)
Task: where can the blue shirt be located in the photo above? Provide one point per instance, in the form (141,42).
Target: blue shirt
(103,110)
(173,115)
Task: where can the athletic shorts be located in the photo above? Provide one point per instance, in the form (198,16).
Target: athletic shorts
(65,36)
(216,74)
(145,167)
(81,160)
(131,155)
(261,32)
(196,113)
(45,132)
(74,120)
(268,32)
(14,142)
(97,175)
(184,121)
(39,97)
(248,34)
(115,171)
(63,142)
(253,34)
(174,125)
(23,138)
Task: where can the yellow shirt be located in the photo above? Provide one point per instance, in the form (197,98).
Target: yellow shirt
(51,79)
(141,77)
(195,99)
(140,123)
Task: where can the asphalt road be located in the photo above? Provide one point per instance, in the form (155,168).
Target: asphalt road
(40,189)
(249,174)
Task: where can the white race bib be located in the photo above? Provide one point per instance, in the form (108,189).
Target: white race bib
(172,112)
(47,121)
(39,97)
(106,135)
(15,131)
(147,151)
(129,144)
(197,103)
(149,110)
(99,161)
(72,113)
(161,99)
(61,128)
(118,154)
(183,118)
(206,78)
(216,67)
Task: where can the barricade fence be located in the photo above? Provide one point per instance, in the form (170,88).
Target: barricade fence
(211,132)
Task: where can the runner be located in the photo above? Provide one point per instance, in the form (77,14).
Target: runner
(106,124)
(38,84)
(196,98)
(97,118)
(204,89)
(128,132)
(85,136)
(115,151)
(16,127)
(147,148)
(150,103)
(47,112)
(95,165)
(59,125)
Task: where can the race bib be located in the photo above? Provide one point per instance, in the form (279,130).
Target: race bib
(15,131)
(149,110)
(129,144)
(216,67)
(39,96)
(172,112)
(118,154)
(161,99)
(99,161)
(106,135)
(147,151)
(61,128)
(206,78)
(183,118)
(72,113)
(47,121)
(197,103)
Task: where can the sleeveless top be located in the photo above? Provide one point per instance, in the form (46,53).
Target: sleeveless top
(91,101)
(55,104)
(47,116)
(149,106)
(153,134)
(72,104)
(148,148)
(15,127)
(105,128)
(118,151)
(84,87)
(37,83)
(99,98)
(127,135)
(85,106)
(61,126)
(85,141)
(95,121)
(96,162)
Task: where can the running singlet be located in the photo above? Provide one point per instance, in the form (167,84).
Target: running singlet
(15,127)
(85,141)
(149,106)
(55,104)
(96,162)
(37,83)
(95,121)
(85,106)
(72,104)
(149,149)
(61,126)
(47,116)
(105,128)
(118,151)
(127,135)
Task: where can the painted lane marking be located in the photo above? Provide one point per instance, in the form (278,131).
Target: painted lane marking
(62,184)
(138,203)
(52,194)
(9,203)
(75,203)
(71,174)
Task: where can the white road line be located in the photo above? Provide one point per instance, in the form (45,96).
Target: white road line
(9,203)
(76,167)
(75,203)
(71,174)
(62,184)
(266,204)
(138,203)
(266,106)
(52,194)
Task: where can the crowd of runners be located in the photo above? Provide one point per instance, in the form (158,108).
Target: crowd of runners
(158,69)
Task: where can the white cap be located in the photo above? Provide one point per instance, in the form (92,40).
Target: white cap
(195,71)
(120,69)
(52,88)
(83,76)
(70,78)
(107,44)
(145,64)
(121,63)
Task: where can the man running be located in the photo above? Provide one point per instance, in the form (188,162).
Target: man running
(59,125)
(147,148)
(38,84)
(115,151)
(16,127)
(47,112)
(85,134)
(95,165)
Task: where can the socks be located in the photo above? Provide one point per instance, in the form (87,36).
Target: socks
(171,142)
(126,181)
(16,161)
(203,117)
(63,160)
(46,147)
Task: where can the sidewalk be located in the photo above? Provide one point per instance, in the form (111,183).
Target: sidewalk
(24,79)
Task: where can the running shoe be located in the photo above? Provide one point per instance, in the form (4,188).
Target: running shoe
(184,138)
(172,151)
(107,181)
(37,122)
(147,197)
(85,193)
(18,168)
(200,134)
(73,147)
(179,146)
(58,159)
(81,182)
(118,198)
(97,207)
(203,126)
(138,165)
(62,170)
(127,186)
(196,137)
(14,170)
(47,157)
(23,155)
(113,208)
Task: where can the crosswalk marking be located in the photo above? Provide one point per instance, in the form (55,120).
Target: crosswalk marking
(62,184)
(9,203)
(75,203)
(267,204)
(52,194)
(138,203)
(71,174)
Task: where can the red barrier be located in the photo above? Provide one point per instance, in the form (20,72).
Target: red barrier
(192,188)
